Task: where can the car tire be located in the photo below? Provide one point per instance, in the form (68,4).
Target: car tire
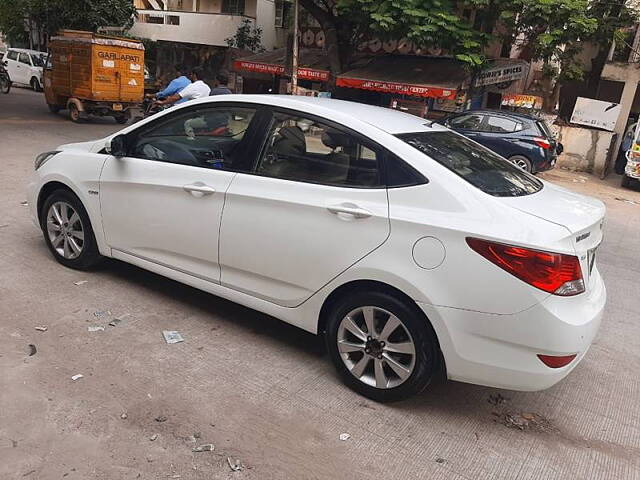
(35,84)
(626,181)
(388,375)
(522,162)
(74,113)
(68,232)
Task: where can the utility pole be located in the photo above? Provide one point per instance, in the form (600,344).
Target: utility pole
(294,70)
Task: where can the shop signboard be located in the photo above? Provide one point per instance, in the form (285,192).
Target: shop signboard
(398,88)
(495,75)
(596,113)
(522,101)
(275,69)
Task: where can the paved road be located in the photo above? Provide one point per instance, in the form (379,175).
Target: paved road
(261,391)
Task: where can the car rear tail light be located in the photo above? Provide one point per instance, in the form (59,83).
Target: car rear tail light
(542,142)
(552,361)
(555,273)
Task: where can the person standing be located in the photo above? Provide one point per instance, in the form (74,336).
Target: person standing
(197,89)
(220,85)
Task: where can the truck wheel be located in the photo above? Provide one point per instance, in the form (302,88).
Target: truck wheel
(626,181)
(53,108)
(74,113)
(35,84)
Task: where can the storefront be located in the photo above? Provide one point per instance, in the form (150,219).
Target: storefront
(429,87)
(266,72)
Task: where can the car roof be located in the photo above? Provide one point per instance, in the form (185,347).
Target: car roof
(386,119)
(26,50)
(504,113)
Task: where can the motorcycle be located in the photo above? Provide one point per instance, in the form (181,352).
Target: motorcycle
(5,81)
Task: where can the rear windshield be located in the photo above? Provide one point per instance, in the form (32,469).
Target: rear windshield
(476,164)
(544,128)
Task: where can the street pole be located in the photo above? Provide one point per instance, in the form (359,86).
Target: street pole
(294,70)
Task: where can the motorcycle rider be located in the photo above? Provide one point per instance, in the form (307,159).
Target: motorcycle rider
(176,85)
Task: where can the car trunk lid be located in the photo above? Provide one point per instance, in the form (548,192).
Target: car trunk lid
(582,216)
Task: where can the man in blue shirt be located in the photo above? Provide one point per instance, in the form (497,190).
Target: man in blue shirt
(176,86)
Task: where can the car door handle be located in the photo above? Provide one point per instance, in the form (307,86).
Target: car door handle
(350,209)
(199,189)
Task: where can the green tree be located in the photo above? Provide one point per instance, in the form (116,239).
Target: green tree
(432,23)
(36,20)
(248,37)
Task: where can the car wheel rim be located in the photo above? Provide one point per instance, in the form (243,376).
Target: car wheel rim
(65,230)
(376,347)
(522,163)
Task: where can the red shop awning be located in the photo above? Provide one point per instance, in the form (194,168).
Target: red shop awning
(313,64)
(408,75)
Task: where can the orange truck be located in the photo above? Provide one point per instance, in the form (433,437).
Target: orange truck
(92,74)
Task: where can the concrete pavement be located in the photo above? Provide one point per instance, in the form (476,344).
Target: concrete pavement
(259,390)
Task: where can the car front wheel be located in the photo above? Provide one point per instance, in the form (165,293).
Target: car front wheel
(382,347)
(68,232)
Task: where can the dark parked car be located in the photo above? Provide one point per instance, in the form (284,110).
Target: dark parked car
(523,139)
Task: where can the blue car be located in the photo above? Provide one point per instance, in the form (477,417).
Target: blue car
(522,139)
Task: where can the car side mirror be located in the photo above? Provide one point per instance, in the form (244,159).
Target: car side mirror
(118,146)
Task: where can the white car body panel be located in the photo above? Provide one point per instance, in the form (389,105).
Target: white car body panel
(164,223)
(290,220)
(283,253)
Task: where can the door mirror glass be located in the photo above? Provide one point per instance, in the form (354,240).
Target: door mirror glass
(118,146)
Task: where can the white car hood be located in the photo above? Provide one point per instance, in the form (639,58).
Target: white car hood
(560,206)
(93,146)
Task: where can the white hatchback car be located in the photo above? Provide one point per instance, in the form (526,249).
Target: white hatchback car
(414,250)
(25,66)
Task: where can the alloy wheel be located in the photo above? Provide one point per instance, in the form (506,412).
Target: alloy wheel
(522,163)
(376,347)
(65,230)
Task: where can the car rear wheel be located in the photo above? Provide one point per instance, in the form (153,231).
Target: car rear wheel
(522,162)
(67,231)
(382,347)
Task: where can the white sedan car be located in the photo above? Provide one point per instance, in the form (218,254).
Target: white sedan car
(415,251)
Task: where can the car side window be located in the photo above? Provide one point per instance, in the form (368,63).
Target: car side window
(210,137)
(24,58)
(467,122)
(12,55)
(500,125)
(305,150)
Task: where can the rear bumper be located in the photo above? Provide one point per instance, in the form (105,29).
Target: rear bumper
(501,350)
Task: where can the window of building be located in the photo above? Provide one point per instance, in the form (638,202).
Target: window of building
(233,7)
(279,23)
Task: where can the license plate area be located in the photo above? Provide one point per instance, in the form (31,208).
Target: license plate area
(117,107)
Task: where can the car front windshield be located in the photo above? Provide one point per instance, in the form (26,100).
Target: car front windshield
(476,164)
